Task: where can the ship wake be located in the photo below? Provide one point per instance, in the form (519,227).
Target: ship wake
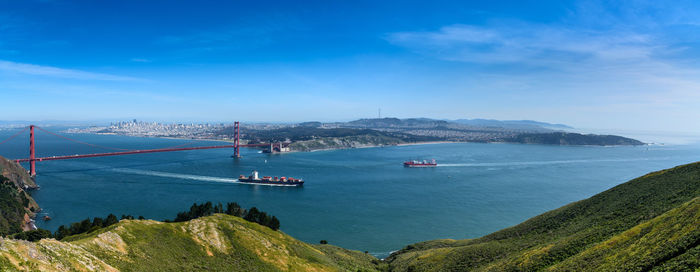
(497,164)
(183,176)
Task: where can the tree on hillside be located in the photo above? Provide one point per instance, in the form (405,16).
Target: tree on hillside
(274,223)
(33,235)
(84,226)
(111,220)
(97,222)
(252,214)
(232,208)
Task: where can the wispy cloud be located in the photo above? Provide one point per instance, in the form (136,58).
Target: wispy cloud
(630,65)
(40,70)
(597,33)
(613,59)
(526,43)
(141,60)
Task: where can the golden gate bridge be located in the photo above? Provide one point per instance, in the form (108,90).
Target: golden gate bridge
(33,159)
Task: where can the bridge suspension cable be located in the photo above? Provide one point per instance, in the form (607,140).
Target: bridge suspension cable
(81,142)
(192,141)
(15,135)
(121,151)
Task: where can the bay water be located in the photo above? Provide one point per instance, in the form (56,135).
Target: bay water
(361,199)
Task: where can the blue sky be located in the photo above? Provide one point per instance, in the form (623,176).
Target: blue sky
(590,64)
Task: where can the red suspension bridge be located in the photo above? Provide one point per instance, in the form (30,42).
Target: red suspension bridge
(33,159)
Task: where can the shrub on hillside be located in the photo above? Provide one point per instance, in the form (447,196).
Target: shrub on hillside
(232,208)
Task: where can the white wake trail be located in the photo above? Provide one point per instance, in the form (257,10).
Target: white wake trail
(186,176)
(173,175)
(494,164)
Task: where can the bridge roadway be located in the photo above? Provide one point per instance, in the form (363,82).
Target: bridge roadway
(78,156)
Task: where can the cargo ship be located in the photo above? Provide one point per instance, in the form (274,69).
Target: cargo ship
(423,163)
(285,181)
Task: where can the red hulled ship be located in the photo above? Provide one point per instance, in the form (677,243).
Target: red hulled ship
(423,163)
(290,181)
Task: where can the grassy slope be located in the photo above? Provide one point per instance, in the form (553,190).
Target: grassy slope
(655,243)
(214,243)
(16,173)
(548,240)
(11,209)
(14,200)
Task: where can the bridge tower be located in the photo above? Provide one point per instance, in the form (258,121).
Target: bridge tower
(32,152)
(236,139)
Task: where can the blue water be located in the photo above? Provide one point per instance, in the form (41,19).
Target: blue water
(360,199)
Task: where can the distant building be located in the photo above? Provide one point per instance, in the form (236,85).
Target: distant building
(277,148)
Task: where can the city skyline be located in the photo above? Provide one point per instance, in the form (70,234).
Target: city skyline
(588,64)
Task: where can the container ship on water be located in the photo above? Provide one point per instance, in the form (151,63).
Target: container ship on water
(423,163)
(254,179)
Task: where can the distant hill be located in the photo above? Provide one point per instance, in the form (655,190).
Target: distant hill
(396,122)
(482,130)
(474,123)
(313,124)
(564,138)
(309,132)
(649,223)
(520,124)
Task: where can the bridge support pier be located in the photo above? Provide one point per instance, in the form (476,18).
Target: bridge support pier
(236,139)
(32,153)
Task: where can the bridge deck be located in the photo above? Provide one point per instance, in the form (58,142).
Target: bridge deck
(78,156)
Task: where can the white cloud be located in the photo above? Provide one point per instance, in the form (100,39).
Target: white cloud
(32,69)
(525,43)
(599,75)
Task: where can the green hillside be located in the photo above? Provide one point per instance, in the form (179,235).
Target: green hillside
(15,202)
(215,243)
(667,242)
(566,239)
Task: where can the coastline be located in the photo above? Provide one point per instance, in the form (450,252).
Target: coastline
(182,138)
(293,151)
(162,137)
(380,145)
(362,146)
(430,142)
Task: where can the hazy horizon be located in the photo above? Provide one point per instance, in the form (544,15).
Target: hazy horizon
(587,64)
(644,135)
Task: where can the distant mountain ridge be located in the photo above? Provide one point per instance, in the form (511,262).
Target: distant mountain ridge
(511,123)
(396,122)
(428,122)
(565,138)
(483,130)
